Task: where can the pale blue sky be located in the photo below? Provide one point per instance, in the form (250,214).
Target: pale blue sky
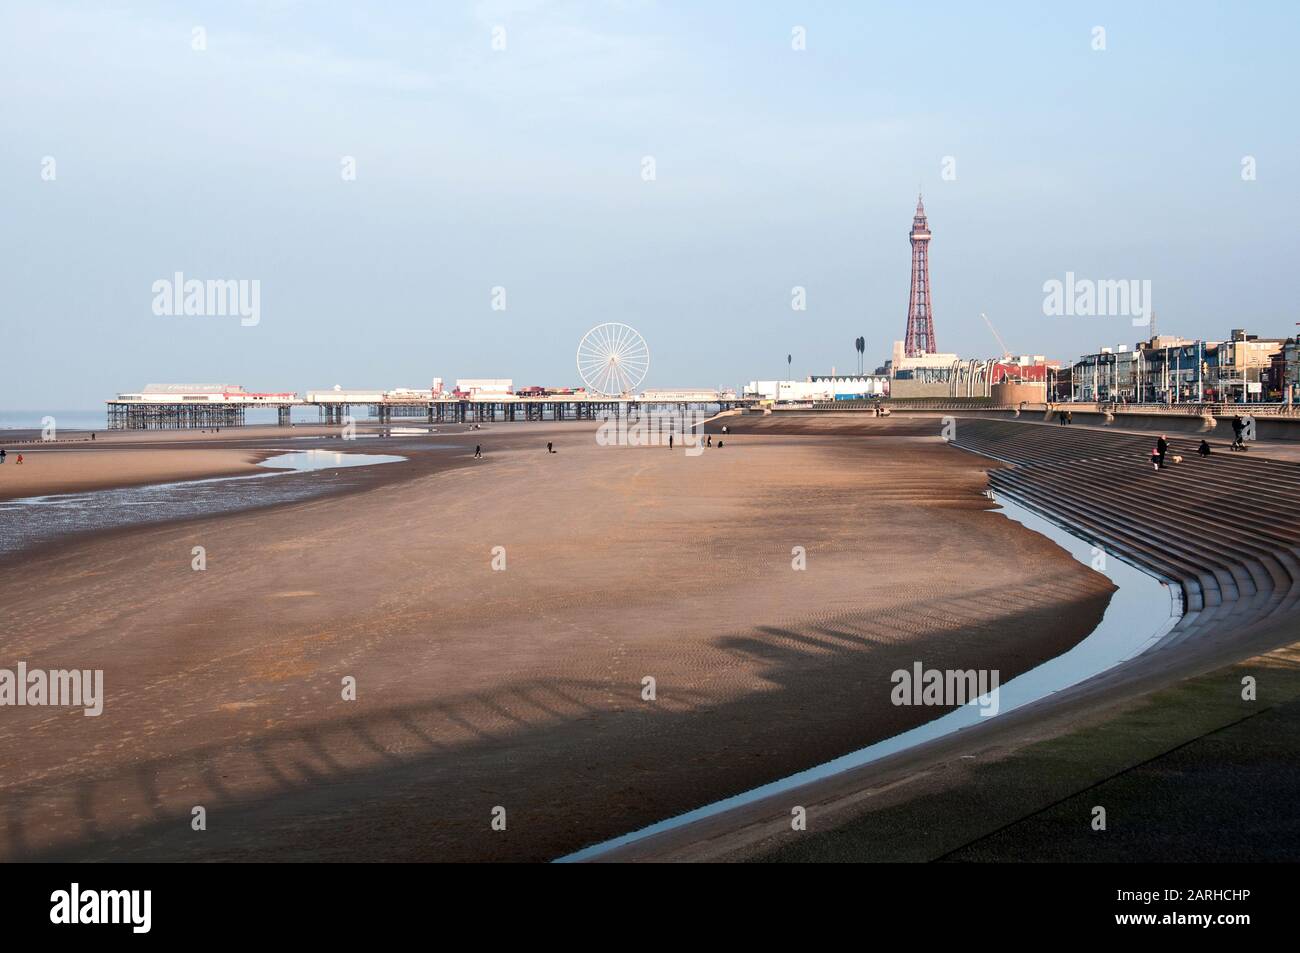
(521,168)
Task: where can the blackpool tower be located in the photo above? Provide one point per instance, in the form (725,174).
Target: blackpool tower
(920,316)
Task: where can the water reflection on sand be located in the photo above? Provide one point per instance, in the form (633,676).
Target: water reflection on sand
(32,520)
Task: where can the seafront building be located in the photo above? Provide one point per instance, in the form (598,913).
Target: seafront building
(949,375)
(702,395)
(818,387)
(1167,369)
(1284,369)
(1245,368)
(484,386)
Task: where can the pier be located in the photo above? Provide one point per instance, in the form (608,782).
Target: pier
(181,407)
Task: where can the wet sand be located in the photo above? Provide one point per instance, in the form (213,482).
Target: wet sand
(521,688)
(65,470)
(73,463)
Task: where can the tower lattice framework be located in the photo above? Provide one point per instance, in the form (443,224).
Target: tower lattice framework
(920,313)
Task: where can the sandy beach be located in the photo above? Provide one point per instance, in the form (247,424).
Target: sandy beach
(74,463)
(519,688)
(64,470)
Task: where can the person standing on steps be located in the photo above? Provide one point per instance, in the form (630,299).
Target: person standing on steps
(1238,428)
(1162,447)
(1204,448)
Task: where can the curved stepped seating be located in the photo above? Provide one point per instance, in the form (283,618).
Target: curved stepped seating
(1226,529)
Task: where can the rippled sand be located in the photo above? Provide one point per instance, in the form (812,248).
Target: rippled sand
(521,688)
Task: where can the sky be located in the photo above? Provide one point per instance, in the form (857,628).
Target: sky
(139,140)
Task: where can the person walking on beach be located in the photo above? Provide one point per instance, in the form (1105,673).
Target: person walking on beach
(3,454)
(708,441)
(478,451)
(670,441)
(548,447)
(20,458)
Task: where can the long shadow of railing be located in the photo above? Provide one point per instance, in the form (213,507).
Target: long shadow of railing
(419,782)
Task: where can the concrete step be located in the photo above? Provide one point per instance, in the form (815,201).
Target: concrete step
(1225,529)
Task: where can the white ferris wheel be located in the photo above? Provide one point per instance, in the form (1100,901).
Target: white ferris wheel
(613,359)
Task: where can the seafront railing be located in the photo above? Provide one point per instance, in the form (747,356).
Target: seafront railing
(1199,409)
(1082,407)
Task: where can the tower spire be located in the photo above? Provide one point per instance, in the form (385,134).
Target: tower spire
(920,316)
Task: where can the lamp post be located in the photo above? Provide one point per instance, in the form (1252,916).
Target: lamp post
(1200,372)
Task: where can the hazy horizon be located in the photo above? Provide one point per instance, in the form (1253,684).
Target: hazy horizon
(522,168)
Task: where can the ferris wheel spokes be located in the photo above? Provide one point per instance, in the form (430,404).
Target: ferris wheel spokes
(613,359)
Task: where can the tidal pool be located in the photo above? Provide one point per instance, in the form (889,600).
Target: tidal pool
(32,520)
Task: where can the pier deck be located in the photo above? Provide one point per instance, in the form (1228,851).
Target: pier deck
(135,413)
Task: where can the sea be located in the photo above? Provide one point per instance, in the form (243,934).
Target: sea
(63,419)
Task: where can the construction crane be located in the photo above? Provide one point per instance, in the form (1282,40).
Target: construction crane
(1006,355)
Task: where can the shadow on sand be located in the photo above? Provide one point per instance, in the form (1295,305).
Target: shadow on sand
(573,762)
